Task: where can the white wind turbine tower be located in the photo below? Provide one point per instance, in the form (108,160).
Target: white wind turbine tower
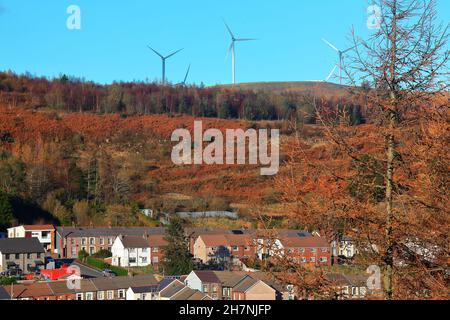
(232,50)
(163,59)
(341,60)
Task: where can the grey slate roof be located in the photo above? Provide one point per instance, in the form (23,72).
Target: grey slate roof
(135,242)
(20,245)
(245,284)
(4,295)
(145,289)
(173,288)
(107,232)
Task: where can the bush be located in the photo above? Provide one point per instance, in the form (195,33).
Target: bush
(102,254)
(5,281)
(82,255)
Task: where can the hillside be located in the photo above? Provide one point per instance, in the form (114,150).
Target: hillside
(319,88)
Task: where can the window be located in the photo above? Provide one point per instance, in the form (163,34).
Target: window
(89,296)
(354,291)
(110,241)
(312,259)
(323,259)
(132,260)
(102,241)
(144,259)
(324,249)
(72,241)
(155,249)
(313,250)
(110,294)
(205,288)
(74,251)
(290,250)
(155,260)
(45,234)
(214,288)
(91,250)
(39,255)
(303,259)
(7,257)
(235,248)
(121,293)
(28,255)
(79,296)
(301,250)
(143,296)
(17,256)
(100,295)
(144,250)
(83,241)
(247,248)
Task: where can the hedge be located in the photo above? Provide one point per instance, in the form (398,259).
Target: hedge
(99,264)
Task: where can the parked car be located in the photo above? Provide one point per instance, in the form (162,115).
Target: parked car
(13,272)
(108,273)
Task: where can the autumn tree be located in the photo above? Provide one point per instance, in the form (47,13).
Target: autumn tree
(386,184)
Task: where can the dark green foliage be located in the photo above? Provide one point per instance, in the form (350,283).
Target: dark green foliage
(6,281)
(6,211)
(82,255)
(12,174)
(102,254)
(177,258)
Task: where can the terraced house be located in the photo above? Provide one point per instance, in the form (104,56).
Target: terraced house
(70,240)
(24,253)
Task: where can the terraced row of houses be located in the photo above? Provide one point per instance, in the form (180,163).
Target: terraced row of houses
(143,246)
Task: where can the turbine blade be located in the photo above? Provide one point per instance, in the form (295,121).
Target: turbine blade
(331,73)
(229,30)
(174,53)
(156,52)
(332,46)
(246,39)
(229,50)
(187,74)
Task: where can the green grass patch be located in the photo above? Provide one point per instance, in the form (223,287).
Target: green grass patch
(99,264)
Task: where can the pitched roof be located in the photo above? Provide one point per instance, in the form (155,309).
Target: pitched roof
(29,290)
(157,240)
(20,245)
(305,242)
(216,240)
(245,284)
(107,231)
(230,278)
(4,295)
(207,276)
(60,288)
(39,227)
(144,289)
(171,289)
(135,242)
(124,282)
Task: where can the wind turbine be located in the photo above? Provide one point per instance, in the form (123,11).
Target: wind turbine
(185,77)
(163,59)
(232,50)
(341,60)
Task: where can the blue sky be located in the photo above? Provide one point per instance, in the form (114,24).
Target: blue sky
(111,44)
